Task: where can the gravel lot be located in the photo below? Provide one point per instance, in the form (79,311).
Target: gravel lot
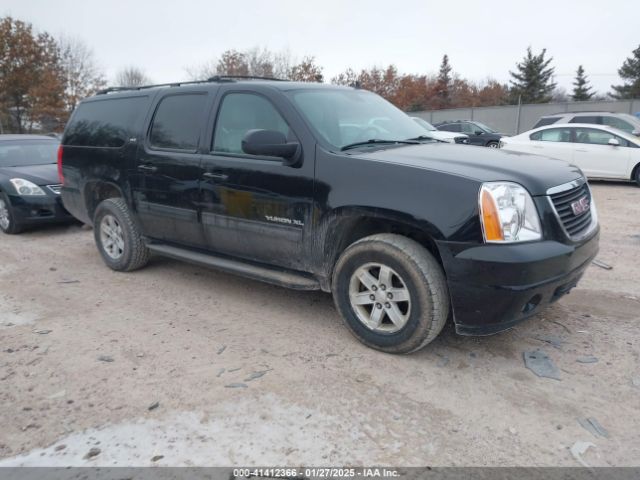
(179,365)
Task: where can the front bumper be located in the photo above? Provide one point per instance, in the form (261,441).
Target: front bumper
(494,287)
(35,209)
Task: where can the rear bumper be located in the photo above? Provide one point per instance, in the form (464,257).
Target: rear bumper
(32,210)
(494,287)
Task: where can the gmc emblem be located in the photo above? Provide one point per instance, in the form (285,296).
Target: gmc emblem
(580,206)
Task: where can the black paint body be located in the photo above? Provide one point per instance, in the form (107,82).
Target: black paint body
(299,218)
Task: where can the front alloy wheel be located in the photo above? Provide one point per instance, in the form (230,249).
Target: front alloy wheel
(380,298)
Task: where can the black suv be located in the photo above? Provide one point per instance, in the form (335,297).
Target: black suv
(479,133)
(313,186)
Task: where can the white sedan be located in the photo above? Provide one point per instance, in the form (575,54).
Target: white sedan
(600,151)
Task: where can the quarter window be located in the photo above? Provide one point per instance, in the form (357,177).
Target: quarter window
(552,135)
(176,124)
(241,112)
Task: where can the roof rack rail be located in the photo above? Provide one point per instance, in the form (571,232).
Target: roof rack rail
(215,78)
(229,78)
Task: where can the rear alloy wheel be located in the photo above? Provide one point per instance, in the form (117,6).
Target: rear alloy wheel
(7,222)
(118,237)
(391,293)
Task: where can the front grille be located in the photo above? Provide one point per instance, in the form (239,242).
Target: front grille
(55,188)
(573,224)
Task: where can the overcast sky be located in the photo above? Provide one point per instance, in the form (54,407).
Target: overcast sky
(482,38)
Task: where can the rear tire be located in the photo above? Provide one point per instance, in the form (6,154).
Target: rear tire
(118,237)
(391,293)
(637,175)
(8,222)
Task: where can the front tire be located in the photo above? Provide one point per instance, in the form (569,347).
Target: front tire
(8,223)
(493,145)
(391,293)
(637,175)
(118,237)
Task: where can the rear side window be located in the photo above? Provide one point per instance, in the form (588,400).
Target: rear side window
(615,122)
(587,119)
(543,122)
(176,124)
(552,135)
(450,127)
(104,123)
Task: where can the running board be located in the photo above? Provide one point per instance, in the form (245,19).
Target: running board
(281,278)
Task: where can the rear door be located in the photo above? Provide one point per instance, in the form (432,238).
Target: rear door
(255,207)
(594,155)
(167,175)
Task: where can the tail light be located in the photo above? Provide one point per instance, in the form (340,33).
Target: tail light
(60,175)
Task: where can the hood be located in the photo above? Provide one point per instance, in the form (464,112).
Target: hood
(534,172)
(38,174)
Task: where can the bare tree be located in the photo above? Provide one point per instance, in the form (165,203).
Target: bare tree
(82,76)
(132,77)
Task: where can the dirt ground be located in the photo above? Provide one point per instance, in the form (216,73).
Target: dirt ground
(179,365)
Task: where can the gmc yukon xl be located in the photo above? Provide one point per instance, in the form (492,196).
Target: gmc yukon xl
(312,186)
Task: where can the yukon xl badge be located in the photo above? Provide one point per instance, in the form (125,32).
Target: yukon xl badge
(580,206)
(286,221)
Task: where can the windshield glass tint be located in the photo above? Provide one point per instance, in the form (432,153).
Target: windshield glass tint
(28,152)
(343,117)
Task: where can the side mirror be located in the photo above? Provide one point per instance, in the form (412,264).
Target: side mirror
(270,143)
(614,142)
(479,132)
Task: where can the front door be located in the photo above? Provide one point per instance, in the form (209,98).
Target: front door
(255,207)
(168,171)
(594,155)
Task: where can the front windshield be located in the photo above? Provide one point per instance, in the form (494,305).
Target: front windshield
(423,123)
(20,153)
(345,117)
(485,128)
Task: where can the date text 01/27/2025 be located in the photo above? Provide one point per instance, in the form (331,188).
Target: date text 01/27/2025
(316,472)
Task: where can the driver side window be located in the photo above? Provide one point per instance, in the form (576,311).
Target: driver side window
(241,112)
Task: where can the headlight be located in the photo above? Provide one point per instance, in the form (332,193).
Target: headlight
(508,214)
(25,187)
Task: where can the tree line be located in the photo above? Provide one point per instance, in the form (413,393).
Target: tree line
(42,79)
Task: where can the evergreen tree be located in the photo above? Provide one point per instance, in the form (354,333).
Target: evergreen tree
(443,82)
(630,72)
(533,78)
(581,88)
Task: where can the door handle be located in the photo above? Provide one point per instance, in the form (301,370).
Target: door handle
(147,168)
(215,176)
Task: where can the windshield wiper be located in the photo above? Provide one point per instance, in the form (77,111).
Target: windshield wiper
(427,137)
(374,141)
